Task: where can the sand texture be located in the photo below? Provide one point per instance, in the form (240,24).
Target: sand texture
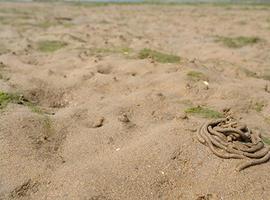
(103,102)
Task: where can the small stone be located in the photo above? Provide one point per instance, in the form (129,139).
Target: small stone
(124,118)
(206,85)
(188,86)
(98,123)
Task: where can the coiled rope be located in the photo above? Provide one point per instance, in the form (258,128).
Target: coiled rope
(227,138)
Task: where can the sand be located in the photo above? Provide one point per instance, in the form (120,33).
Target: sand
(104,124)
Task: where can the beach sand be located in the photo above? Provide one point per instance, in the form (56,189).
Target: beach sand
(102,117)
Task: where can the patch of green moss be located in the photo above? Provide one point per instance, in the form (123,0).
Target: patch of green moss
(204,112)
(258,106)
(237,42)
(33,107)
(125,50)
(113,50)
(36,109)
(267,120)
(66,24)
(5,20)
(196,75)
(90,4)
(15,20)
(49,46)
(50,23)
(265,77)
(46,24)
(266,140)
(158,56)
(3,50)
(6,98)
(17,11)
(48,127)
